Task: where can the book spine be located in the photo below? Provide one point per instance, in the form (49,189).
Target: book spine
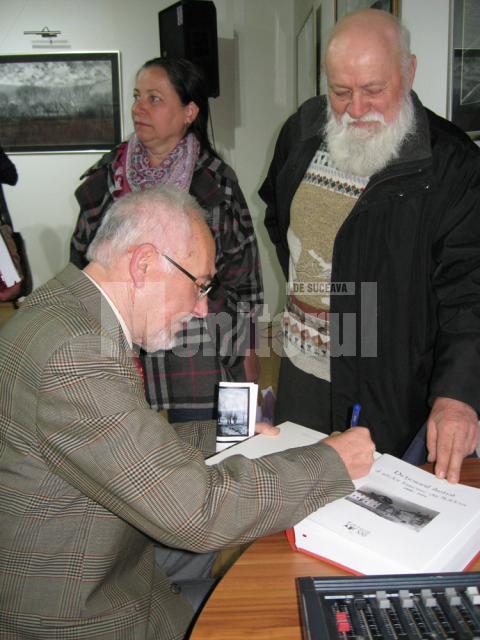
(295,543)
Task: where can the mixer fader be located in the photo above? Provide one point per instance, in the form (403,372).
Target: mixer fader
(408,607)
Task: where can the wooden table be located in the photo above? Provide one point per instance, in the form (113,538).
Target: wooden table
(257,599)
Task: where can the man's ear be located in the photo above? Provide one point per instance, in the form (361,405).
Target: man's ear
(140,262)
(412,70)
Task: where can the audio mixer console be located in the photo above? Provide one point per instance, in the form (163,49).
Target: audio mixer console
(407,607)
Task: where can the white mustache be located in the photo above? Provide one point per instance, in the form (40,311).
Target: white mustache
(373,116)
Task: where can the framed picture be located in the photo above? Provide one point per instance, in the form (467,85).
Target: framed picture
(60,102)
(342,7)
(306,63)
(464,85)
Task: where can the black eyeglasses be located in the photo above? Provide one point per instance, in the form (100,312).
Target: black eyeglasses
(203,289)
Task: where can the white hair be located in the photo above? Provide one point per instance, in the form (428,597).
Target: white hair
(162,215)
(404,50)
(363,152)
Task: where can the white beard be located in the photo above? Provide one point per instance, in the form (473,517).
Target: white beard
(167,338)
(363,151)
(163,341)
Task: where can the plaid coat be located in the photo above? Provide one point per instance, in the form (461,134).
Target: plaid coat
(209,349)
(90,476)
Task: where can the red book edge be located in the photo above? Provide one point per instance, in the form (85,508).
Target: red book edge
(290,533)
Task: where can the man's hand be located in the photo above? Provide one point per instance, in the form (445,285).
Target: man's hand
(356,449)
(266,429)
(452,434)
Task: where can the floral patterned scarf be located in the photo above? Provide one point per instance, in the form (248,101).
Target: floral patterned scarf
(134,173)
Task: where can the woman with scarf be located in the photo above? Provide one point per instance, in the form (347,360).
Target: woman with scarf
(170,145)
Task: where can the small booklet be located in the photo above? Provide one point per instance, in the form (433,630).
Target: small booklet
(236,412)
(399,519)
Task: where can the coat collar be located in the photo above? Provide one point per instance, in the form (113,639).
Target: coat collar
(205,185)
(106,160)
(416,146)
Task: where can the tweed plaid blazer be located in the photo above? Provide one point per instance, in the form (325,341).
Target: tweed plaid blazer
(91,476)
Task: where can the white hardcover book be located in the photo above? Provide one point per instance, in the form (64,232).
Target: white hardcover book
(400,519)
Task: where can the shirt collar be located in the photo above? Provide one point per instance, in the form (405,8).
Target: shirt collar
(121,321)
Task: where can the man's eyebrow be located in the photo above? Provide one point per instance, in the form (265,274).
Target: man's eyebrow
(373,83)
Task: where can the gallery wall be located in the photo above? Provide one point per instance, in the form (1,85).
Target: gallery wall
(257,92)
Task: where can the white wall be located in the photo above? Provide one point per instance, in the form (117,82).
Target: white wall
(257,95)
(428,23)
(257,85)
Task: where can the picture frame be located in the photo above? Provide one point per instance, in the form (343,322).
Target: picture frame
(342,7)
(306,62)
(464,68)
(60,102)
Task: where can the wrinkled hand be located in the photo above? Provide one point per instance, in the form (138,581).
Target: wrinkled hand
(356,448)
(266,429)
(452,434)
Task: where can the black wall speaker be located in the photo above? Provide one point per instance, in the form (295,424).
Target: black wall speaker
(188,29)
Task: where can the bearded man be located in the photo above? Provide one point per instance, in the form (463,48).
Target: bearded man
(373,205)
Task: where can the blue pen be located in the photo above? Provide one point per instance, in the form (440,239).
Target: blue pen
(355,415)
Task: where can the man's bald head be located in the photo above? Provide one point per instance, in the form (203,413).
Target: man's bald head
(372,27)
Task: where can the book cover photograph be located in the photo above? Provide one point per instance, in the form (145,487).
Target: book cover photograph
(409,514)
(236,410)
